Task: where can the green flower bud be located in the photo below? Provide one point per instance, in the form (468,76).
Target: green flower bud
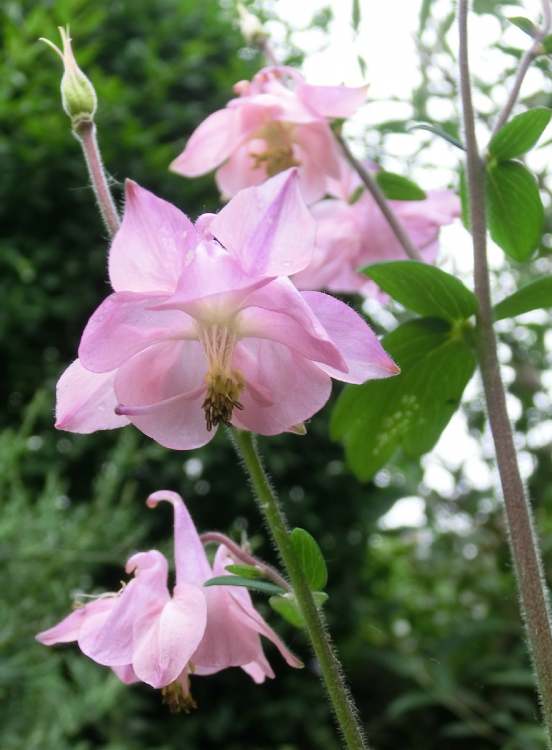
(78,96)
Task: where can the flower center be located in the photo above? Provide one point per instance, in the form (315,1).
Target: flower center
(224,384)
(278,154)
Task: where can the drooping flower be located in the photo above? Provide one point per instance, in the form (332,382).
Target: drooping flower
(276,122)
(352,235)
(204,327)
(146,634)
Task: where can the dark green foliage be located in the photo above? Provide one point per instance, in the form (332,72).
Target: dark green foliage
(424,289)
(399,188)
(520,134)
(515,211)
(409,410)
(533,296)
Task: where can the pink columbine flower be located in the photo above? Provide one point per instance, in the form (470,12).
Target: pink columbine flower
(204,327)
(146,634)
(350,236)
(277,121)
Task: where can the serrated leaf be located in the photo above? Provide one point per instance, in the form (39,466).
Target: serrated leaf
(534,296)
(412,409)
(525,24)
(520,134)
(424,289)
(287,607)
(263,586)
(516,215)
(399,188)
(245,571)
(310,558)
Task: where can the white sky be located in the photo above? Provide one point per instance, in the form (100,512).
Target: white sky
(386,42)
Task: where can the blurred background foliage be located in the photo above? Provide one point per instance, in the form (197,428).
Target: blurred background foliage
(425,618)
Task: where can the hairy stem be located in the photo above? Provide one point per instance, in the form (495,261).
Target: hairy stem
(373,188)
(85,132)
(521,533)
(332,674)
(524,65)
(239,553)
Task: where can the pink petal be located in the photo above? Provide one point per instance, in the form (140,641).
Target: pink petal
(278,312)
(126,674)
(124,324)
(297,388)
(318,155)
(110,640)
(149,250)
(259,670)
(191,561)
(359,346)
(226,642)
(69,628)
(332,101)
(268,228)
(162,390)
(239,172)
(245,613)
(214,282)
(86,401)
(165,643)
(211,143)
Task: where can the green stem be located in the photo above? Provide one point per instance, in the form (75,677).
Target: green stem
(332,673)
(524,545)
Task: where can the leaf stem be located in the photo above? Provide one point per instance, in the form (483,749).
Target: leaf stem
(332,673)
(85,133)
(373,188)
(526,61)
(522,538)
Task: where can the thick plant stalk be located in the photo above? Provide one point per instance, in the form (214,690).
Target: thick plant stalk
(332,673)
(85,132)
(521,532)
(373,188)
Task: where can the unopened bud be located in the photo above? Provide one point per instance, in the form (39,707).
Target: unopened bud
(78,96)
(250,26)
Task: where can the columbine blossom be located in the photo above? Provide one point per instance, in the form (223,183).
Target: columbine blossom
(277,121)
(352,235)
(204,327)
(146,634)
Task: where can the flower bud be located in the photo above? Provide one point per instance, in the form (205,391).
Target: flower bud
(78,96)
(250,26)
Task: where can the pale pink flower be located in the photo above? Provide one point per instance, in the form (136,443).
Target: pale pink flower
(277,121)
(351,236)
(202,331)
(145,634)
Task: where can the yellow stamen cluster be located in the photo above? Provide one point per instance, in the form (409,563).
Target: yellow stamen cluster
(278,156)
(177,699)
(223,392)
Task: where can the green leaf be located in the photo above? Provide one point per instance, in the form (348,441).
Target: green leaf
(425,11)
(547,44)
(516,215)
(287,607)
(524,24)
(263,586)
(534,296)
(310,558)
(245,571)
(356,14)
(424,289)
(398,188)
(412,409)
(520,134)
